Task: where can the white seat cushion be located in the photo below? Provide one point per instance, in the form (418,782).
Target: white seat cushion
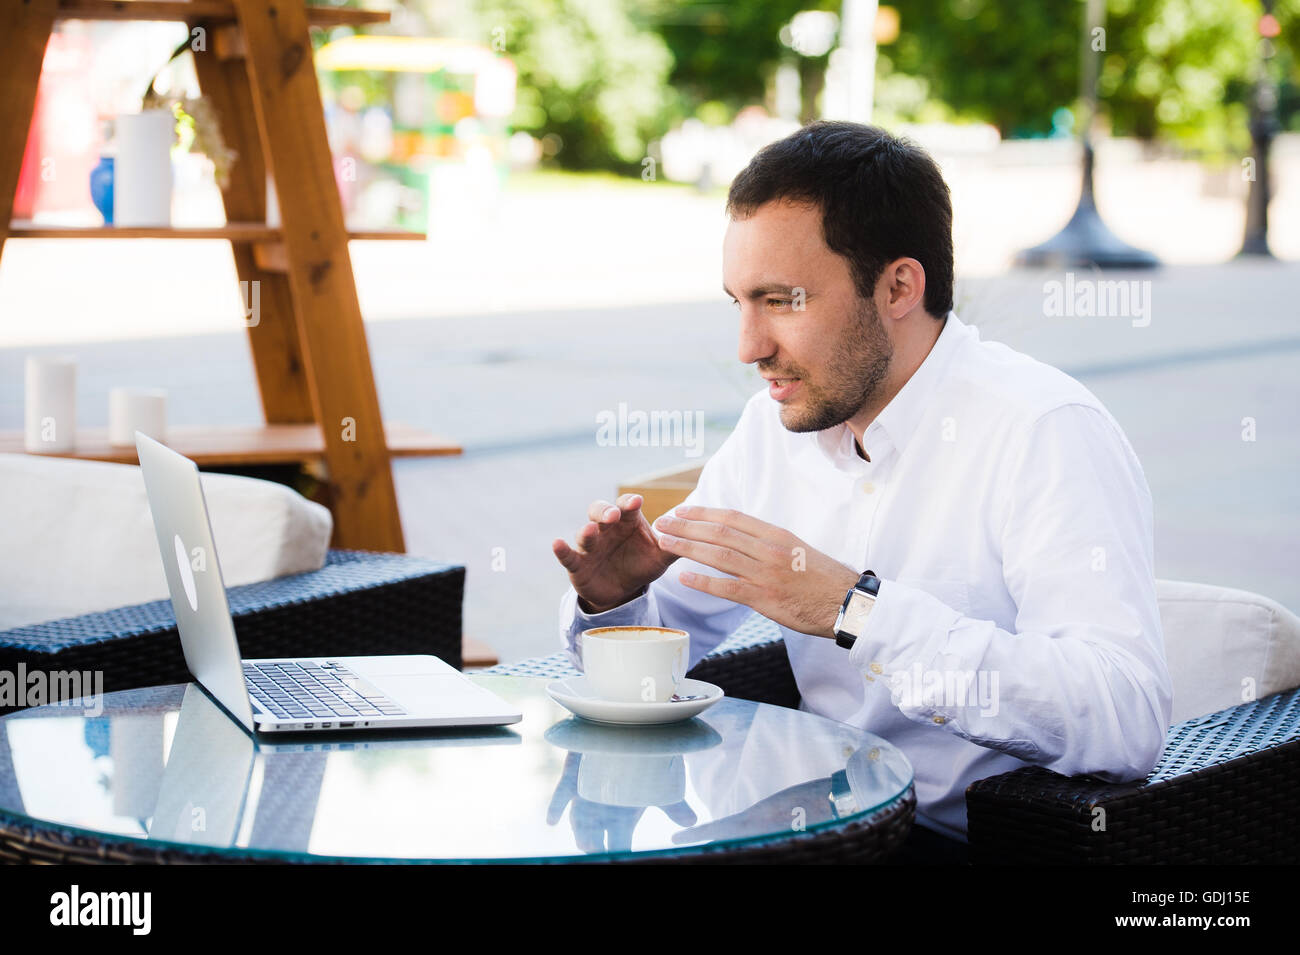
(79,538)
(1225,646)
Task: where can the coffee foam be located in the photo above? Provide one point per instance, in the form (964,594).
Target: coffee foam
(635,633)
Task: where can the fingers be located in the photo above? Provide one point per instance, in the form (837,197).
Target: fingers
(587,537)
(729,518)
(600,515)
(566,555)
(726,559)
(702,539)
(728,588)
(626,508)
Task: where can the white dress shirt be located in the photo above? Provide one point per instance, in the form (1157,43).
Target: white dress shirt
(1010,524)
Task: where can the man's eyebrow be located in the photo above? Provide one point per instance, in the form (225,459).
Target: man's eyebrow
(770,288)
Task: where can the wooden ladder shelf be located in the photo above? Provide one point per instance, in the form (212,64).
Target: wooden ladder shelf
(309,347)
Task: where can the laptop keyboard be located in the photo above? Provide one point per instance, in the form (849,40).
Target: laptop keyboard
(315,691)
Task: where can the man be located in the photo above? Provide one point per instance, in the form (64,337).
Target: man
(1010,616)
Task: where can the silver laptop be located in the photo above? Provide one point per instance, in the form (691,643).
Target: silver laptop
(288,695)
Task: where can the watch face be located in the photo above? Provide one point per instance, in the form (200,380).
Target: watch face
(855,615)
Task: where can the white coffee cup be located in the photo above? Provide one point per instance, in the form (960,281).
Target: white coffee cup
(635,664)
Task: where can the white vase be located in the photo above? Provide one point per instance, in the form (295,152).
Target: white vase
(50,405)
(142,171)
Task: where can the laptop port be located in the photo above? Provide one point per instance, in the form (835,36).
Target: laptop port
(344,726)
(308,726)
(325,726)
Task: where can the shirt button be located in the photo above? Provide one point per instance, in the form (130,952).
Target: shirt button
(940,720)
(868,488)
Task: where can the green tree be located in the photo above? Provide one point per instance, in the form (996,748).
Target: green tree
(589,73)
(1180,69)
(726,52)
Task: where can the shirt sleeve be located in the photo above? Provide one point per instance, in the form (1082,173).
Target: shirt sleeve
(668,602)
(1081,685)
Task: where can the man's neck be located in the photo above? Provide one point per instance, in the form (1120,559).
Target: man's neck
(908,357)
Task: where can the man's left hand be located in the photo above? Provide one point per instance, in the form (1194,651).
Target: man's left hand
(772,571)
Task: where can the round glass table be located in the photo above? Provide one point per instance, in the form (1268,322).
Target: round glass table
(162,774)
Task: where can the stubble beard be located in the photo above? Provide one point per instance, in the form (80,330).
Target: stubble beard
(854,377)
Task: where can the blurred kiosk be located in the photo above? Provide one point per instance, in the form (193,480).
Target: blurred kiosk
(446,139)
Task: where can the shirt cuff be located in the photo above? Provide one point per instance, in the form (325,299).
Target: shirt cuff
(906,629)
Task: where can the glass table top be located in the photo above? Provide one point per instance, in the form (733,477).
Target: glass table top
(166,765)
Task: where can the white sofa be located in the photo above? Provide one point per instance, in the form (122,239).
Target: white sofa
(78,537)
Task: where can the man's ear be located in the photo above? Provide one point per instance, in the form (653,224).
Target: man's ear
(902,287)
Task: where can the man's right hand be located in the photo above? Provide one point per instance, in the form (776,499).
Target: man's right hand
(617,556)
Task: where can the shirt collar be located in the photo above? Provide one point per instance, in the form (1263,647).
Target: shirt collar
(897,422)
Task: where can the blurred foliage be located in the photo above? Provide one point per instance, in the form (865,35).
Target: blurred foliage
(726,52)
(1180,69)
(589,73)
(609,76)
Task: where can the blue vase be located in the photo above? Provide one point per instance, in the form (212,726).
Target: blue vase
(101,188)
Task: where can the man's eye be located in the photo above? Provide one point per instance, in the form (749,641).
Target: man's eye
(778,303)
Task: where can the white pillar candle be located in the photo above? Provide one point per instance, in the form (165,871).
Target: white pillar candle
(272,203)
(142,169)
(50,404)
(136,409)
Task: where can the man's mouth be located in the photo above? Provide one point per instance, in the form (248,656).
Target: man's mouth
(781,388)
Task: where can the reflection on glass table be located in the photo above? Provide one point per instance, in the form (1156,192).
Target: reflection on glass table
(164,773)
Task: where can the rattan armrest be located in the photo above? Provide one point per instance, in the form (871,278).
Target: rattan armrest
(1223,792)
(759,672)
(357,603)
(752,664)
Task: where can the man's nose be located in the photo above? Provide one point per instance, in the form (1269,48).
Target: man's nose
(755,341)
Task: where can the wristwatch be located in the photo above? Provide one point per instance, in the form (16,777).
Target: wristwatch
(852,619)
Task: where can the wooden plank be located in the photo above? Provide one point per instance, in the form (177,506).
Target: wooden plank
(476,653)
(273,330)
(24,32)
(189,10)
(291,119)
(234,231)
(238,445)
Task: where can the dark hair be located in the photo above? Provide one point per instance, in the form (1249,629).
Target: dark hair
(881,198)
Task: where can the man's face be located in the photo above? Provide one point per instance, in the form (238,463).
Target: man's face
(823,349)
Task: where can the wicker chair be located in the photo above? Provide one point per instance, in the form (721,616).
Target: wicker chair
(1222,792)
(357,603)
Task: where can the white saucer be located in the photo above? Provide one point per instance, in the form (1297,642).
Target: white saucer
(574,694)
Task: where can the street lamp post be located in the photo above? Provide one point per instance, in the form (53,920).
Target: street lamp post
(1264,126)
(1086,241)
